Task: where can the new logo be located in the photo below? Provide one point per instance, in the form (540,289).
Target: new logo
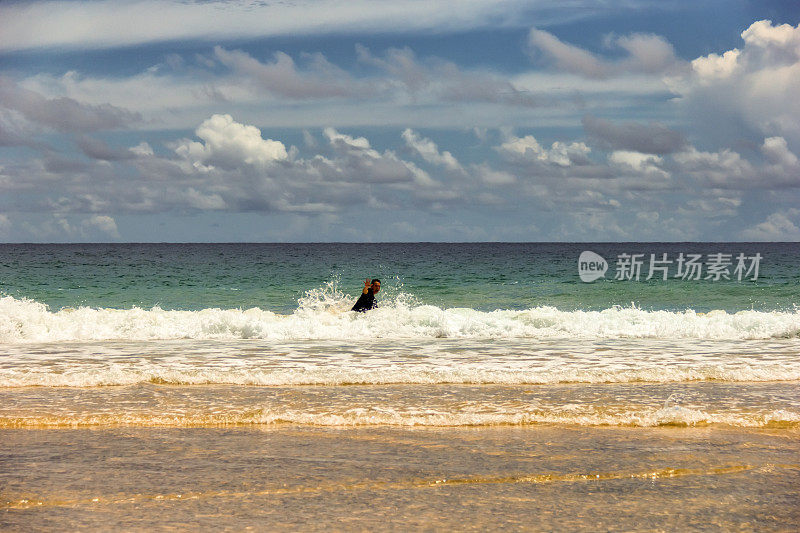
(591,266)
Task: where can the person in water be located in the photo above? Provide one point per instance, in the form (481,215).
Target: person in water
(367,299)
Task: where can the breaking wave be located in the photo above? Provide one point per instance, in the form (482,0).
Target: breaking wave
(324,314)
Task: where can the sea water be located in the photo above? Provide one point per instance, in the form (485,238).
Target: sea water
(481,337)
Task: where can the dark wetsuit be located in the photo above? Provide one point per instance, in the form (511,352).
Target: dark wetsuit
(365,302)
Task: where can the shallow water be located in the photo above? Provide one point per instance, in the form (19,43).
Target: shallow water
(438,382)
(550,478)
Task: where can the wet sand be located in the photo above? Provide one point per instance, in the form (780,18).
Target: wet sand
(292,477)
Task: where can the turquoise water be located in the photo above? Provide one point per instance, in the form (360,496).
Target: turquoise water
(465,334)
(483,276)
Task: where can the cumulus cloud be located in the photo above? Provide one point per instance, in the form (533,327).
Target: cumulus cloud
(59,227)
(646,53)
(715,66)
(349,144)
(780,44)
(652,138)
(777,151)
(728,169)
(712,205)
(528,149)
(779,226)
(639,162)
(228,167)
(428,150)
(228,144)
(142,149)
(347,171)
(357,161)
(783,169)
(103,223)
(750,91)
(204,201)
(724,168)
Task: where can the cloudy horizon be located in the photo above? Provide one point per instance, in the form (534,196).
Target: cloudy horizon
(326,121)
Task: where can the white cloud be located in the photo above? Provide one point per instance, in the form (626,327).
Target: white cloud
(228,144)
(712,205)
(348,143)
(309,140)
(779,226)
(647,163)
(749,91)
(142,149)
(724,168)
(777,151)
(428,150)
(230,168)
(727,169)
(204,202)
(715,66)
(105,23)
(104,224)
(528,149)
(784,168)
(357,161)
(778,40)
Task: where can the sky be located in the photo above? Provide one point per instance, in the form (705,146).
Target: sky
(380,121)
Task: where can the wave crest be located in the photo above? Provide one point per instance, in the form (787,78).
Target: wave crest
(680,417)
(324,314)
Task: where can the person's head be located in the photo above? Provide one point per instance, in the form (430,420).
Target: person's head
(376,285)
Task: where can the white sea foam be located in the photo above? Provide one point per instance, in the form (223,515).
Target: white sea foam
(335,373)
(360,416)
(324,315)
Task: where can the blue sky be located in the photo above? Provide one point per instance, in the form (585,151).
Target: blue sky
(399,121)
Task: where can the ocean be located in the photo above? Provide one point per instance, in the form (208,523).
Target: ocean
(118,357)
